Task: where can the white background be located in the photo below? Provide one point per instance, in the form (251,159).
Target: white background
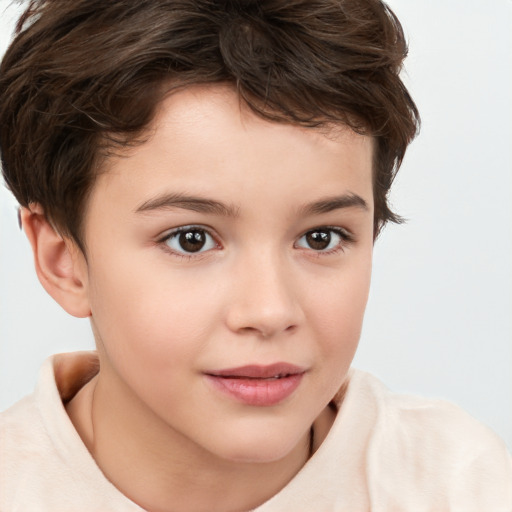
(439,317)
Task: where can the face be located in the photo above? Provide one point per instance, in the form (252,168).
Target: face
(228,264)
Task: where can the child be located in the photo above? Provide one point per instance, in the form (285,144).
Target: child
(205,182)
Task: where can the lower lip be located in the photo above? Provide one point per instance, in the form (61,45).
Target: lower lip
(260,392)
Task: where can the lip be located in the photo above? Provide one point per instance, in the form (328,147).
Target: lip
(257,385)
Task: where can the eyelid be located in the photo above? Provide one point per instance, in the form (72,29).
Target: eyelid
(180,229)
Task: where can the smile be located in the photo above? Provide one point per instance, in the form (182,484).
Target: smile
(256,385)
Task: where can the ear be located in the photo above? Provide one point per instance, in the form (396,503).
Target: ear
(60,264)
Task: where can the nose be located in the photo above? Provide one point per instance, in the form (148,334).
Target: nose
(265,301)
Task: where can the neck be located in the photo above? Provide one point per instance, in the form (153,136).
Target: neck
(154,465)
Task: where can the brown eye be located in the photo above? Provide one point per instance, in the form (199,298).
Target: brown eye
(190,240)
(318,240)
(324,239)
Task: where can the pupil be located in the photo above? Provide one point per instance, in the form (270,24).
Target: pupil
(192,241)
(318,240)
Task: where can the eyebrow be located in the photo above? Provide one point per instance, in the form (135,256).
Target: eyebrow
(196,204)
(204,205)
(330,204)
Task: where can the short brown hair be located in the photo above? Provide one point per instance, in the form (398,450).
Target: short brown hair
(84,76)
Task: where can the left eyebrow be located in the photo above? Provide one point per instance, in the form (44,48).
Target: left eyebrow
(330,204)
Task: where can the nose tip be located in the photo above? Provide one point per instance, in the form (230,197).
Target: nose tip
(265,320)
(265,304)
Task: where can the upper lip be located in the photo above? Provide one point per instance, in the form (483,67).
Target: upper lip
(255,371)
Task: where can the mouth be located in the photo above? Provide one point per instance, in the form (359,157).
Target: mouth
(268,372)
(257,385)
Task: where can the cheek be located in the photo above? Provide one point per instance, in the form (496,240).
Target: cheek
(150,312)
(339,306)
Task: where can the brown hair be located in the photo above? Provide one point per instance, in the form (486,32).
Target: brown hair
(84,76)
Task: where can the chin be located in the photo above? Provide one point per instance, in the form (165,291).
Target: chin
(260,449)
(255,457)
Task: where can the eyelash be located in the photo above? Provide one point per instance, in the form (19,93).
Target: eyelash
(346,239)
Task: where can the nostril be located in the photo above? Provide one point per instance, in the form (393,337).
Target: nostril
(267,332)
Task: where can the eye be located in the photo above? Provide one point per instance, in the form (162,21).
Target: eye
(190,239)
(324,239)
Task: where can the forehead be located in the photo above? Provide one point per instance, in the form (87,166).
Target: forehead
(216,113)
(205,140)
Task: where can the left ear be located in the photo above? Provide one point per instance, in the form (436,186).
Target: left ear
(59,263)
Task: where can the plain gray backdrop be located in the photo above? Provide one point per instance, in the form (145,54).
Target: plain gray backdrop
(438,321)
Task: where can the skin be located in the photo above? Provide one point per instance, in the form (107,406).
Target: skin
(258,294)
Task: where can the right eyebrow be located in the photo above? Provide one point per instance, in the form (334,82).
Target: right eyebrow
(186,202)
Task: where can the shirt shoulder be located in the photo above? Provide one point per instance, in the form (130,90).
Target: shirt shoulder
(14,437)
(44,465)
(433,449)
